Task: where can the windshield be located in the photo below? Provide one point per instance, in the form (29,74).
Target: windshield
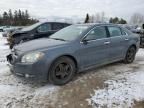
(70,33)
(31,27)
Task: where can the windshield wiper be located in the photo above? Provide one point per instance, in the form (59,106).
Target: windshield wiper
(58,39)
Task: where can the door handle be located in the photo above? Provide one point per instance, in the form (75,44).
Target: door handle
(126,39)
(106,43)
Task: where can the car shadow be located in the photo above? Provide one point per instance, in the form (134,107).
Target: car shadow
(95,69)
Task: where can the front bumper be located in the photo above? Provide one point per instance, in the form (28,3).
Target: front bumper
(36,70)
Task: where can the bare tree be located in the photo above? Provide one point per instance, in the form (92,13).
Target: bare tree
(102,16)
(91,19)
(137,19)
(98,17)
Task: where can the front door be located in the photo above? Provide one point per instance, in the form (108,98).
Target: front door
(94,48)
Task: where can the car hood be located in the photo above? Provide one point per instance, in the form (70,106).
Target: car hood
(19,32)
(39,44)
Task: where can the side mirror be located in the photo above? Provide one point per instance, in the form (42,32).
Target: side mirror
(37,31)
(84,41)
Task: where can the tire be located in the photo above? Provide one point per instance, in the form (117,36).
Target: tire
(130,55)
(62,71)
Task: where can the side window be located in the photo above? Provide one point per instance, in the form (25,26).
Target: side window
(57,26)
(65,25)
(97,33)
(44,28)
(114,31)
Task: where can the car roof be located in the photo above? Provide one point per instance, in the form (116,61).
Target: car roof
(97,24)
(54,22)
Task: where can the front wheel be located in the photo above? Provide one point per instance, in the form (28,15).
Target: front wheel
(62,71)
(130,55)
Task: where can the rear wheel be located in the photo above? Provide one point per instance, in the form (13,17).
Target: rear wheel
(130,56)
(62,71)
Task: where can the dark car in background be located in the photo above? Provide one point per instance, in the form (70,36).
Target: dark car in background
(7,32)
(132,28)
(2,28)
(142,37)
(38,30)
(73,49)
(136,30)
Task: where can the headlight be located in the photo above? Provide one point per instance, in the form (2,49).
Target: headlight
(32,57)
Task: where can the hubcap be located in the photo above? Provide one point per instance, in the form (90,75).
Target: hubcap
(63,70)
(131,54)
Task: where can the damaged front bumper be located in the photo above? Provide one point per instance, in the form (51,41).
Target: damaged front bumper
(26,70)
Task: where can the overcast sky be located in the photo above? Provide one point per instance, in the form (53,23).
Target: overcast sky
(67,8)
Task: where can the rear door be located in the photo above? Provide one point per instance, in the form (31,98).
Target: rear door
(118,43)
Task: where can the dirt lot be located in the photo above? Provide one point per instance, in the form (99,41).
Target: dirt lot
(20,93)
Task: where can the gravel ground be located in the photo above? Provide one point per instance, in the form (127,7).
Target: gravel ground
(21,93)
